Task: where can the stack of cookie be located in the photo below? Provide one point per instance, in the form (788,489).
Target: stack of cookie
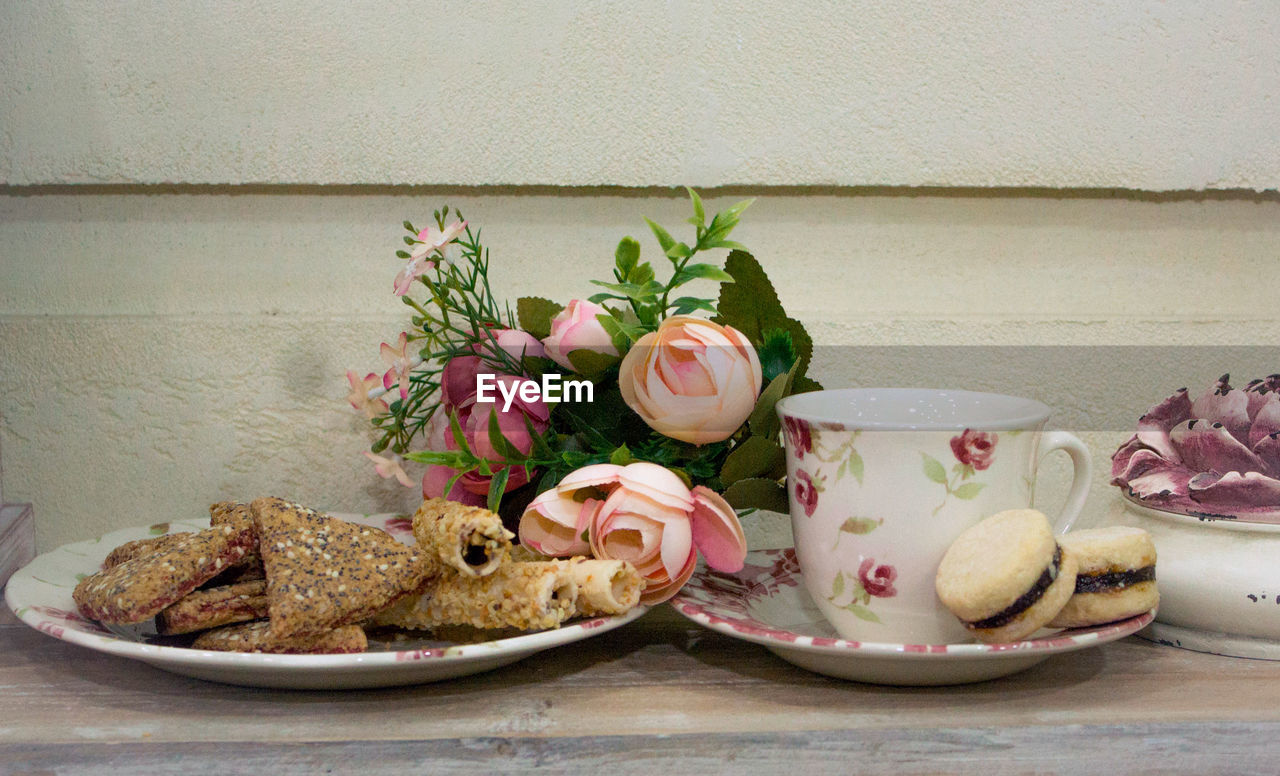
(1008,576)
(273,576)
(270,576)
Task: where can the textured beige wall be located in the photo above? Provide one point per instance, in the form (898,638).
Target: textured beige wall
(165,346)
(1142,95)
(161,351)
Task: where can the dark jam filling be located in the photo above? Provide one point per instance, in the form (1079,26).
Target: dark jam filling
(1116,580)
(1026,601)
(475,556)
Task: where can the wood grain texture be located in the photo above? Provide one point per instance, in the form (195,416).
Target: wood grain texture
(661,693)
(1164,748)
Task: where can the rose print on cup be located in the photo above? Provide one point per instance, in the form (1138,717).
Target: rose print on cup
(872,580)
(806,491)
(974,451)
(877,580)
(799,436)
(974,448)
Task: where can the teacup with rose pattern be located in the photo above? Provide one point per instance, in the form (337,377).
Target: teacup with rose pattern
(882,480)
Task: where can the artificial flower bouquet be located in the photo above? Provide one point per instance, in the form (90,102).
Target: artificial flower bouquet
(628,425)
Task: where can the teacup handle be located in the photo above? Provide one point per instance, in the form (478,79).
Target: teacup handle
(1080,478)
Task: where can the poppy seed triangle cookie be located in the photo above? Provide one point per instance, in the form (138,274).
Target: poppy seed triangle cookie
(139,547)
(138,589)
(323,573)
(256,637)
(205,609)
(1006,577)
(1116,577)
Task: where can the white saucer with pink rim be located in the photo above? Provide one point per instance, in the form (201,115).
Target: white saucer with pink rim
(766,603)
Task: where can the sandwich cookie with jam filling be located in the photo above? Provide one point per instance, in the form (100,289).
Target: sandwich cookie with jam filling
(1116,576)
(1006,577)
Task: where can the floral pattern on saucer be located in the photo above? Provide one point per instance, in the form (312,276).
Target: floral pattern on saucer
(766,603)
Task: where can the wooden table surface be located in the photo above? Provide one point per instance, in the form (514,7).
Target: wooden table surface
(661,696)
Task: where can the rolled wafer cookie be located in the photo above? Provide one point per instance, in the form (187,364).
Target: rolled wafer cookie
(525,596)
(469,540)
(604,586)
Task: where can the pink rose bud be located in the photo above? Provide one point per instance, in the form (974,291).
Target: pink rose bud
(577,328)
(692,379)
(646,516)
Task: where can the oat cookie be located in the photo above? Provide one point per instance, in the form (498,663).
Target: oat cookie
(1116,579)
(1006,577)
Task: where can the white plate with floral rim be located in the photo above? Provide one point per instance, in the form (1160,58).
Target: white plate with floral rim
(766,603)
(40,595)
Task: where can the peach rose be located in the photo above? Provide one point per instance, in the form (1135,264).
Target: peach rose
(577,328)
(641,513)
(692,379)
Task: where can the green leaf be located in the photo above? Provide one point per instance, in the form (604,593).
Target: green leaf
(756,457)
(664,238)
(700,272)
(459,438)
(622,333)
(641,274)
(763,420)
(854,464)
(730,244)
(402,254)
(860,525)
(591,364)
(758,493)
(540,447)
(862,613)
(627,256)
(699,212)
(454,459)
(679,251)
(648,292)
(409,227)
(593,436)
(751,306)
(621,456)
(508,451)
(837,585)
(687,304)
(496,487)
(777,353)
(535,314)
(933,469)
(968,492)
(736,210)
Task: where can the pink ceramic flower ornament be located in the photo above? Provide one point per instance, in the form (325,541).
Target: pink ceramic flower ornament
(359,396)
(1218,455)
